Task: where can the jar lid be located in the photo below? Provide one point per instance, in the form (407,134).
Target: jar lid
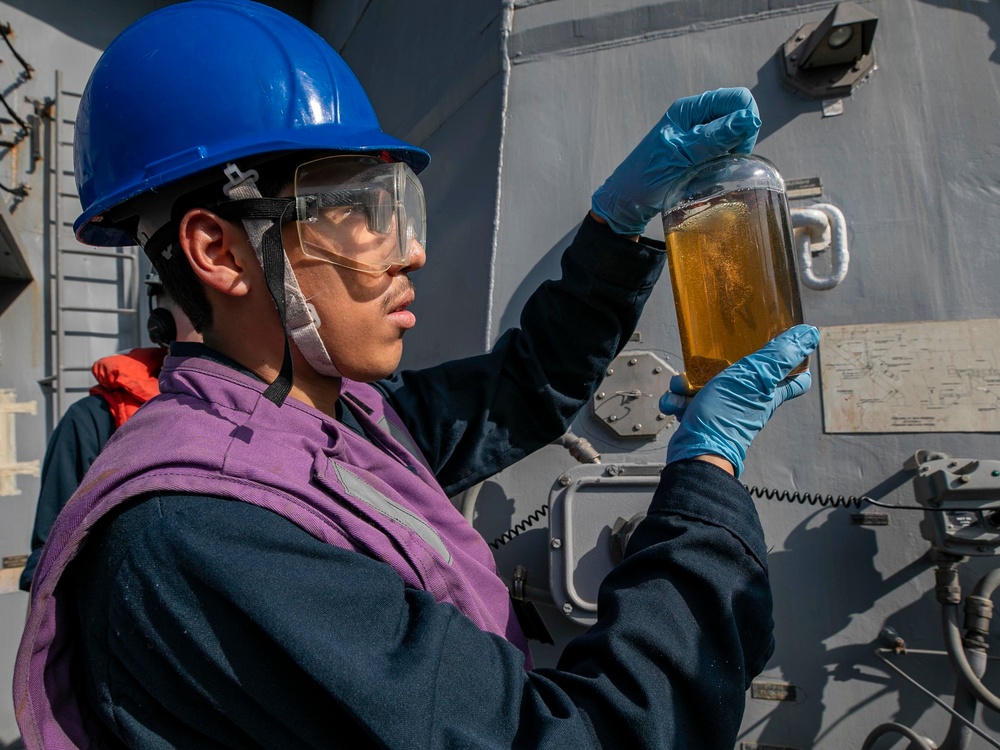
(726,174)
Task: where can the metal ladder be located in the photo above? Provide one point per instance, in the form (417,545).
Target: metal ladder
(87,284)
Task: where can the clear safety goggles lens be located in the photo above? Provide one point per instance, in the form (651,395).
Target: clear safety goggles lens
(359,213)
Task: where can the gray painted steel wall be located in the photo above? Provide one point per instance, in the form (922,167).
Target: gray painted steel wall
(432,71)
(911,162)
(517,150)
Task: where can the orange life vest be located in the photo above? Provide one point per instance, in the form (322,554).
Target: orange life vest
(127,381)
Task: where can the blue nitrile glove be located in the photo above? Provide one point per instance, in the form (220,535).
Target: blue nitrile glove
(727,413)
(694,129)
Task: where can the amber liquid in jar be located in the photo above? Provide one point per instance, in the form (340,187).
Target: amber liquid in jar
(733,278)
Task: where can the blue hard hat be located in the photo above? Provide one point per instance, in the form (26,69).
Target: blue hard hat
(198,84)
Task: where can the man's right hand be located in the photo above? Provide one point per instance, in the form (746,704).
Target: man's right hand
(693,130)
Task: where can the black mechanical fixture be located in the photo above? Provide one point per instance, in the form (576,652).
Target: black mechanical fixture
(832,58)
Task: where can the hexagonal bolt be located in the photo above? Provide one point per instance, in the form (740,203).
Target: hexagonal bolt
(657,370)
(660,417)
(636,427)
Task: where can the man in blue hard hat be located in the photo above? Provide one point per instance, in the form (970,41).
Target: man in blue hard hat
(265,555)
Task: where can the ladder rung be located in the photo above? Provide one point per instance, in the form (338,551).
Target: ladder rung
(119,310)
(96,253)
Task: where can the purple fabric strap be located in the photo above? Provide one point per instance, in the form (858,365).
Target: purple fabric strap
(212,433)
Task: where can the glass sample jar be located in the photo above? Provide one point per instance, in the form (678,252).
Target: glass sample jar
(731,262)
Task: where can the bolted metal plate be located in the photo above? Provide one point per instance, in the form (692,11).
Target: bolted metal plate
(627,401)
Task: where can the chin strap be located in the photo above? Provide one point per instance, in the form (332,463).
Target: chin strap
(262,218)
(265,237)
(272,258)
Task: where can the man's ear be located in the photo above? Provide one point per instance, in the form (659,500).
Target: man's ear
(218,251)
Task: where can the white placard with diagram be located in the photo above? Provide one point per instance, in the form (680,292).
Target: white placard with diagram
(939,376)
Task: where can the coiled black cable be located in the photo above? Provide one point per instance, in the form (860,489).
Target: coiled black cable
(840,501)
(808,498)
(521,527)
(816,500)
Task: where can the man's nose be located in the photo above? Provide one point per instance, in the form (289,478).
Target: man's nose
(414,262)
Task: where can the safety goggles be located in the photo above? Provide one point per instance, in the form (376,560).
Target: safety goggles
(359,213)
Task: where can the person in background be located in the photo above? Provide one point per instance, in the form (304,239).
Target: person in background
(125,382)
(266,555)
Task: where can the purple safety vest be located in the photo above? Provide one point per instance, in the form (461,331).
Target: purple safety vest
(211,432)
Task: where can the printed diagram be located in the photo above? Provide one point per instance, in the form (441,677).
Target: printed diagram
(911,377)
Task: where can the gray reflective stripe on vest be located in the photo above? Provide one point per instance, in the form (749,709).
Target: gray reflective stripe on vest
(403,439)
(361,490)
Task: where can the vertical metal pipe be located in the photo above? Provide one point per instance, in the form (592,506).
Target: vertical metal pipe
(506,27)
(965,705)
(56,251)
